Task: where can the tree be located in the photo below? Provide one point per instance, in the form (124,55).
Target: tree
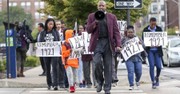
(15,14)
(70,10)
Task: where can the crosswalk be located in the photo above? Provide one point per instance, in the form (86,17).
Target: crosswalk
(114,90)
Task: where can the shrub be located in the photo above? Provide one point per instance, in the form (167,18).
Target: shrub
(32,61)
(2,65)
(171,31)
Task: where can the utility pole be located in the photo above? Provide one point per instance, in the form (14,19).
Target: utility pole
(166,20)
(178,3)
(128,16)
(158,12)
(8,42)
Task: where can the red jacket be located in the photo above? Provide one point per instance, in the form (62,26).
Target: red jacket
(113,31)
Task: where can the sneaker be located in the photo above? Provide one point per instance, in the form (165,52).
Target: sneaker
(107,92)
(137,85)
(89,85)
(49,87)
(157,81)
(131,87)
(43,74)
(99,88)
(95,86)
(114,84)
(153,85)
(81,85)
(55,88)
(61,86)
(72,89)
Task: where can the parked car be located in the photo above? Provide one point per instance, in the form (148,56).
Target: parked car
(172,52)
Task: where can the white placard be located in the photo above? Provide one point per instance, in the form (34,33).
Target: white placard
(77,45)
(48,49)
(61,37)
(154,39)
(122,25)
(131,47)
(76,42)
(75,54)
(86,39)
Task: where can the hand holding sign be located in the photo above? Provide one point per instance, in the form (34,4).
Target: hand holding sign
(154,39)
(48,49)
(131,48)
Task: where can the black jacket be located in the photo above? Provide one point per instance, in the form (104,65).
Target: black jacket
(54,33)
(159,49)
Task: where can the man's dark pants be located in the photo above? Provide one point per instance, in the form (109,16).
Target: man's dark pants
(103,53)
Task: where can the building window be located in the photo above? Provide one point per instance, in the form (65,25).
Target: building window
(28,3)
(23,4)
(14,4)
(36,4)
(154,8)
(37,15)
(163,18)
(162,7)
(41,4)
(10,4)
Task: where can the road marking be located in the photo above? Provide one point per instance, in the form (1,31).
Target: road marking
(85,90)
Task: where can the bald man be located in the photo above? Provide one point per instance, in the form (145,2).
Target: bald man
(105,38)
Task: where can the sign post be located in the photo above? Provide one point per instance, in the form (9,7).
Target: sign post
(128,4)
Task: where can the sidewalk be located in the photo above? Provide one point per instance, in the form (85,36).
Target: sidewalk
(32,80)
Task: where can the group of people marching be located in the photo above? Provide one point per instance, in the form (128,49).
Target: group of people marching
(105,43)
(66,72)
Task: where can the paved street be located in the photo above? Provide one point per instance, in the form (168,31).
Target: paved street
(34,84)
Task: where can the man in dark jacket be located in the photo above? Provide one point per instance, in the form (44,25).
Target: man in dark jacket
(43,65)
(105,36)
(154,53)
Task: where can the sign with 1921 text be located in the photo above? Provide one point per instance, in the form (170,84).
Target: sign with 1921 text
(86,39)
(155,39)
(131,47)
(48,49)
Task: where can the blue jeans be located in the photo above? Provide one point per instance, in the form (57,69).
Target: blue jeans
(134,67)
(80,71)
(154,60)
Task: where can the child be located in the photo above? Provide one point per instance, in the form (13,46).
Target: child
(71,64)
(134,63)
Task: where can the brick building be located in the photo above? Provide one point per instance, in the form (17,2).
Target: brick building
(30,6)
(172,13)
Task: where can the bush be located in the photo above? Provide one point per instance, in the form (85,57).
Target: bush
(2,65)
(171,31)
(32,61)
